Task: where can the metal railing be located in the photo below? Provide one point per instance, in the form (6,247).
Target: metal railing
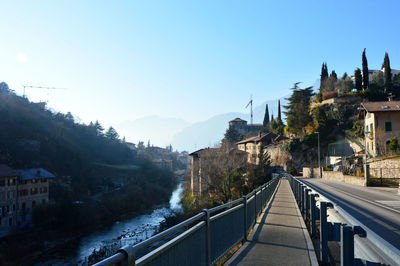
(202,239)
(359,245)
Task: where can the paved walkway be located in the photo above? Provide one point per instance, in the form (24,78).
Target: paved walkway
(280,236)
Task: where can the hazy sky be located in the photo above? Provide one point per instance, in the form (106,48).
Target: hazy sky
(121,60)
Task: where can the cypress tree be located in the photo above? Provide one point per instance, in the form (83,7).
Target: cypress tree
(388,73)
(334,75)
(279,110)
(365,77)
(324,76)
(266,117)
(358,79)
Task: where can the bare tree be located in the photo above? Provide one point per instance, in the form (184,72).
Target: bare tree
(222,172)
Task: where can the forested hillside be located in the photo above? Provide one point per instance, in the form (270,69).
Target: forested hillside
(86,161)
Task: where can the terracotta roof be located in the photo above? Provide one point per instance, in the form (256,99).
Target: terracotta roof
(272,136)
(6,171)
(372,107)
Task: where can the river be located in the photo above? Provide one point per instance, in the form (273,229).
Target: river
(127,232)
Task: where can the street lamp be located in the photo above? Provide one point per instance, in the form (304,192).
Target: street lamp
(365,142)
(319,158)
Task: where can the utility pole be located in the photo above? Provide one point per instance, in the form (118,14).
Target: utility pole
(365,144)
(319,158)
(251,109)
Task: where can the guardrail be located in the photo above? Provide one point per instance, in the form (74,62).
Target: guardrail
(204,238)
(335,224)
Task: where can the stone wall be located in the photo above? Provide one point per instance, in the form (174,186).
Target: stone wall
(385,168)
(339,176)
(309,172)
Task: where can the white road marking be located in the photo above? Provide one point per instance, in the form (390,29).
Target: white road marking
(391,203)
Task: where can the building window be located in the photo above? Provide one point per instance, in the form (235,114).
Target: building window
(43,201)
(44,180)
(33,204)
(23,192)
(11,182)
(2,183)
(43,190)
(34,191)
(388,126)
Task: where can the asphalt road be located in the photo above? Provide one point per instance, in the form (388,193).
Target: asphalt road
(378,210)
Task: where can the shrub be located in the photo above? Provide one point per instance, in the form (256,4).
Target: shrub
(393,144)
(329,95)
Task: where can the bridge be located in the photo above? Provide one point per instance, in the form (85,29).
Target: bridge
(287,221)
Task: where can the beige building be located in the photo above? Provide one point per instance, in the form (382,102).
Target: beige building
(33,189)
(382,122)
(252,145)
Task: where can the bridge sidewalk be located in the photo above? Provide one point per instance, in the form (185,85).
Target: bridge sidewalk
(280,236)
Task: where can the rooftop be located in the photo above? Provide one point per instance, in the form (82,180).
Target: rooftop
(389,106)
(237,119)
(6,171)
(34,173)
(263,136)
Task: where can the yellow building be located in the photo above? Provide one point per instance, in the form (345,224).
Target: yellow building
(382,122)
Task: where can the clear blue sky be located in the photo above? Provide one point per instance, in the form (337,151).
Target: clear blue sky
(122,60)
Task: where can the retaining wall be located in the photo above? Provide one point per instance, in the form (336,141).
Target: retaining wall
(339,176)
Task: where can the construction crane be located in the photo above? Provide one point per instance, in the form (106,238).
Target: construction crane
(251,109)
(41,87)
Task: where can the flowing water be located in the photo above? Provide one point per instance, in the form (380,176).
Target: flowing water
(105,242)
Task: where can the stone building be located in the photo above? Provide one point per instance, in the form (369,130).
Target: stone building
(382,122)
(245,129)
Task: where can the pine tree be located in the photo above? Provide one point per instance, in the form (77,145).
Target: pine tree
(279,110)
(388,73)
(99,128)
(232,136)
(365,76)
(297,110)
(358,79)
(345,75)
(112,134)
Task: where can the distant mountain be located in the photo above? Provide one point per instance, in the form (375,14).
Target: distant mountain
(158,130)
(209,132)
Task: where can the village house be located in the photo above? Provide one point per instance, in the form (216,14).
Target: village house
(8,198)
(252,145)
(20,192)
(382,122)
(33,189)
